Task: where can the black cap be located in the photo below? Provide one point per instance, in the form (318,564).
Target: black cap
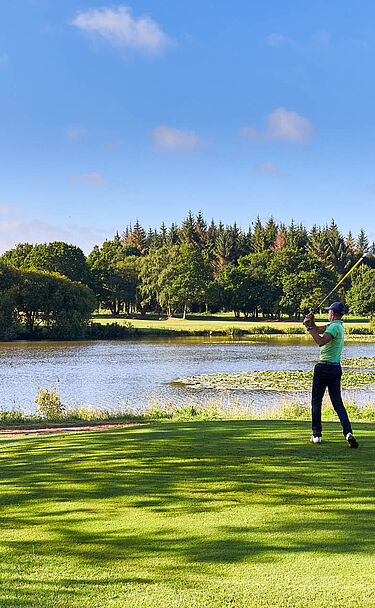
(337,307)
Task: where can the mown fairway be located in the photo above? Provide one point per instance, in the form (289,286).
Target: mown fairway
(213,514)
(215,322)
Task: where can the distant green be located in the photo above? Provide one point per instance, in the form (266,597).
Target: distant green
(234,514)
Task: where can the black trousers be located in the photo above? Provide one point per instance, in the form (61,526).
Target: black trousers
(327,376)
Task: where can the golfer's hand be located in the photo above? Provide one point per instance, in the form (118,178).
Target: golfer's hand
(309,319)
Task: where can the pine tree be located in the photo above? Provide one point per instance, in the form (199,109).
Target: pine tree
(234,240)
(243,248)
(258,241)
(223,248)
(152,237)
(201,228)
(126,235)
(188,233)
(173,235)
(211,232)
(317,243)
(290,237)
(301,238)
(362,243)
(350,242)
(138,238)
(270,233)
(249,239)
(279,242)
(163,233)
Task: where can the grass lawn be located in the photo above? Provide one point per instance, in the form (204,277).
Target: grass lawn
(189,515)
(212,322)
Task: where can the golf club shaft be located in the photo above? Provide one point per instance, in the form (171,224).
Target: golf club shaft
(339,283)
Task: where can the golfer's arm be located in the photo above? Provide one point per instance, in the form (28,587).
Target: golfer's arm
(320,328)
(320,340)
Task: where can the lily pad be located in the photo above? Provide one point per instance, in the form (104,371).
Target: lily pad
(357,362)
(272,380)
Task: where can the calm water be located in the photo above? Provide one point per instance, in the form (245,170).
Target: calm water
(116,374)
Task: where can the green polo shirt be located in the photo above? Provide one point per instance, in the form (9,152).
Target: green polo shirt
(333,349)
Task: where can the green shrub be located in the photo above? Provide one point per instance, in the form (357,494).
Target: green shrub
(49,403)
(233,331)
(110,331)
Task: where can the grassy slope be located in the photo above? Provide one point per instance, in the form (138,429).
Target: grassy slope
(220,321)
(230,514)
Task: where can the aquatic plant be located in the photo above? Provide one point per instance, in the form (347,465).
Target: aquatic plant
(356,362)
(272,380)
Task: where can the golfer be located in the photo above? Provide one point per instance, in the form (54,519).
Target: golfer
(327,372)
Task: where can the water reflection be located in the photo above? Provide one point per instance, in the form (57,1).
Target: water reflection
(117,374)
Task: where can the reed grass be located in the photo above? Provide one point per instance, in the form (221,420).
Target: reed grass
(225,407)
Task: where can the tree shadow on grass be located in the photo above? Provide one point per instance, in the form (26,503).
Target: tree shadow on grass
(64,490)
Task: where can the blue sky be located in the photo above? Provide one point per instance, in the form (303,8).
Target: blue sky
(113,112)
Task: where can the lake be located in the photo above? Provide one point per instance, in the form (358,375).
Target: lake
(118,374)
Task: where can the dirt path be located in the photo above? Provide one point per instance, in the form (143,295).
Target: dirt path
(67,427)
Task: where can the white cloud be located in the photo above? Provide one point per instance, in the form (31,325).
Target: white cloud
(289,126)
(169,138)
(276,40)
(76,132)
(267,168)
(88,178)
(118,27)
(283,125)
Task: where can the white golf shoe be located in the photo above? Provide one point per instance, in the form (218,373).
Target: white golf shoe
(314,439)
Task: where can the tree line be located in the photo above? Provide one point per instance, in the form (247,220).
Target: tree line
(271,270)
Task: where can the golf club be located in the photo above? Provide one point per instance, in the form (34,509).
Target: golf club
(368,255)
